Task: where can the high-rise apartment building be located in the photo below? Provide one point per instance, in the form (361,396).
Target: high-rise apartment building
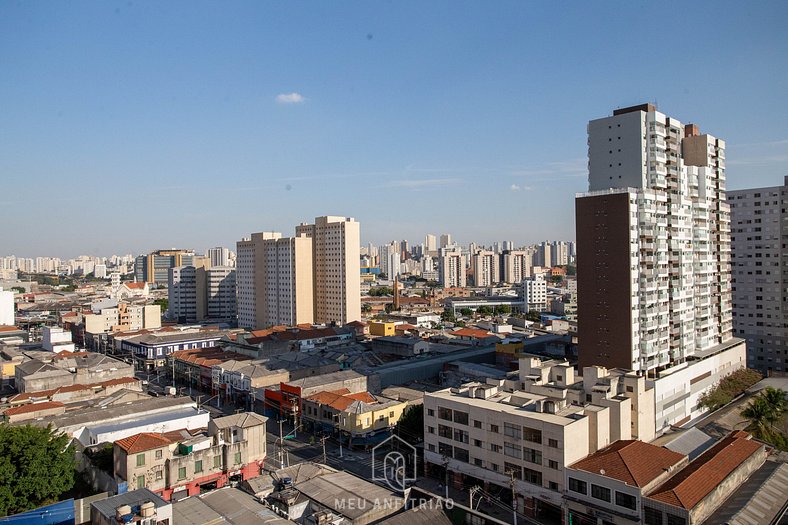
(218,256)
(654,238)
(154,267)
(544,254)
(390,259)
(446,240)
(200,294)
(430,243)
(451,268)
(221,304)
(517,266)
(337,273)
(759,229)
(535,293)
(486,268)
(274,280)
(559,253)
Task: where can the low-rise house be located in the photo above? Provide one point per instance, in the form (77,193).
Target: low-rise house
(77,392)
(178,464)
(286,400)
(610,484)
(68,369)
(400,346)
(361,418)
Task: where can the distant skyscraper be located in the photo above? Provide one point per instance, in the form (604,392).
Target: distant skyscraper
(337,273)
(654,242)
(154,267)
(759,223)
(431,243)
(446,240)
(517,266)
(544,254)
(451,268)
(218,256)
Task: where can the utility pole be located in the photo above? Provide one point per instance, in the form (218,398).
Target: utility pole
(281,445)
(323,442)
(514,497)
(471,493)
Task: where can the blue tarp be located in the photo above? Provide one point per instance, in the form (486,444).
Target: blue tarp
(60,513)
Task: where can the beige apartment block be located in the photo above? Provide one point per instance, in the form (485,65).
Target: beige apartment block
(533,424)
(486,268)
(517,265)
(337,274)
(451,267)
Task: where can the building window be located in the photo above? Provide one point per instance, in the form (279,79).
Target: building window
(182,473)
(237,458)
(198,466)
(675,520)
(495,448)
(625,500)
(430,430)
(461,417)
(461,435)
(512,450)
(140,460)
(512,431)
(478,462)
(158,454)
(478,443)
(512,469)
(477,424)
(553,485)
(532,476)
(444,431)
(445,450)
(532,456)
(533,435)
(444,413)
(217,461)
(159,475)
(576,485)
(140,482)
(431,447)
(461,454)
(430,412)
(494,428)
(552,443)
(552,464)
(602,493)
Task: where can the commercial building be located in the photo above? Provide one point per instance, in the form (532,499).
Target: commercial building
(654,234)
(275,280)
(124,316)
(336,275)
(65,370)
(531,425)
(178,464)
(154,267)
(451,267)
(486,268)
(535,293)
(219,256)
(759,226)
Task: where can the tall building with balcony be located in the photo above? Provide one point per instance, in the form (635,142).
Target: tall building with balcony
(199,294)
(759,233)
(517,265)
(336,272)
(451,268)
(654,237)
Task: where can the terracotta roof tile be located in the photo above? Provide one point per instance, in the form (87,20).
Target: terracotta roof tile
(340,400)
(33,407)
(633,462)
(472,332)
(135,286)
(693,483)
(144,441)
(6,328)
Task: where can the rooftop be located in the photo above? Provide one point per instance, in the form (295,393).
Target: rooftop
(135,497)
(693,483)
(32,407)
(633,462)
(143,441)
(240,420)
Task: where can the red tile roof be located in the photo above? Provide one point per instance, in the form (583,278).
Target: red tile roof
(633,462)
(207,357)
(135,286)
(341,399)
(33,407)
(6,328)
(472,332)
(24,396)
(143,441)
(693,483)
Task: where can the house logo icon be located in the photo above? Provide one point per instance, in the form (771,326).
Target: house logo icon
(397,466)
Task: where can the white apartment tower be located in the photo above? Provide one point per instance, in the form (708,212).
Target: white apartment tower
(654,234)
(274,280)
(430,243)
(486,268)
(451,267)
(759,227)
(218,256)
(535,293)
(336,268)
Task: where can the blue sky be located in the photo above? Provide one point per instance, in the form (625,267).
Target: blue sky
(131,126)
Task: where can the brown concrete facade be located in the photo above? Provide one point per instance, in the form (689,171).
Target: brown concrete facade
(604,281)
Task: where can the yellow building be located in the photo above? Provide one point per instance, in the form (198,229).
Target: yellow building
(381,328)
(356,415)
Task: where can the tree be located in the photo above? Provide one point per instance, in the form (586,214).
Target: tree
(503,309)
(534,316)
(571,270)
(557,278)
(18,289)
(764,415)
(466,311)
(380,291)
(447,316)
(366,308)
(729,387)
(163,302)
(484,310)
(36,466)
(410,426)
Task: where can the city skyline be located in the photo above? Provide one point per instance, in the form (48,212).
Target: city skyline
(290,109)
